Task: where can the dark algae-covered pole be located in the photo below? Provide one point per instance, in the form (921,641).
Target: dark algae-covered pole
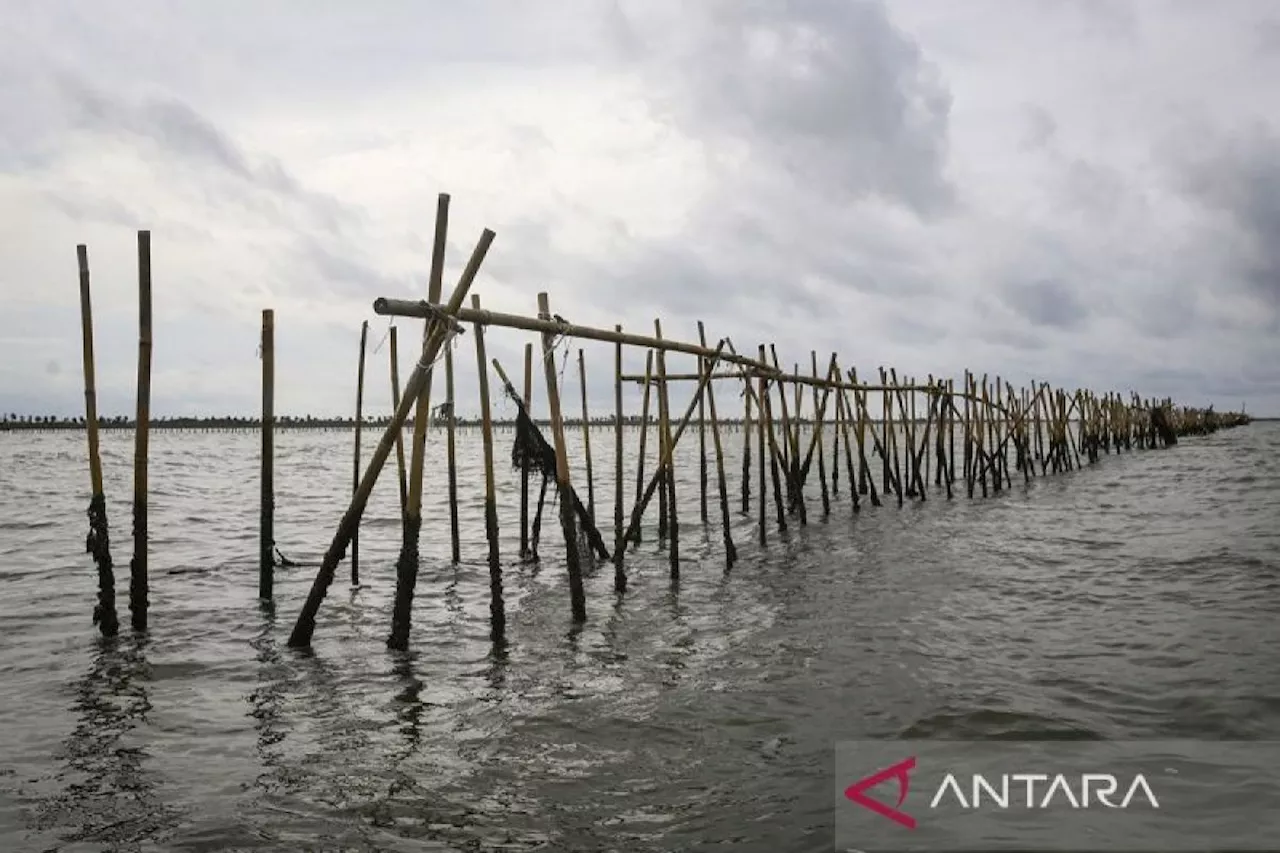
(266,500)
(98,542)
(355,465)
(138,589)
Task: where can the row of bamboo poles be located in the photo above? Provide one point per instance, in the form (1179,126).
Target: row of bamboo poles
(997,432)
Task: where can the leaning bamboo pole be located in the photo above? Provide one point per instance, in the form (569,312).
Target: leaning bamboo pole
(497,608)
(402,476)
(568,524)
(98,542)
(304,627)
(730,552)
(407,565)
(667,463)
(586,436)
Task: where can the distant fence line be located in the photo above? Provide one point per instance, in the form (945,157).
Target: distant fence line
(968,437)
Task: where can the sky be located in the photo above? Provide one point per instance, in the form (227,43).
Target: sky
(1083,192)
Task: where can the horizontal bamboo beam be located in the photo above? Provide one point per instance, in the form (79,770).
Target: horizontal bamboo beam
(423,309)
(791,377)
(554,325)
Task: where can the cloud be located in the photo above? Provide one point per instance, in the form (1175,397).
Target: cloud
(1238,178)
(929,186)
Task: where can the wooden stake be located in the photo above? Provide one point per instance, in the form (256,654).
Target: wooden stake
(817,431)
(668,452)
(525,553)
(619,576)
(746,449)
(451,449)
(355,465)
(586,437)
(138,582)
(395,405)
(766,404)
(98,543)
(644,437)
(568,524)
(407,565)
(497,609)
(730,552)
(422,412)
(266,498)
(762,412)
(664,460)
(702,439)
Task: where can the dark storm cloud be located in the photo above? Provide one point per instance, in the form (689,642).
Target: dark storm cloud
(828,91)
(1239,178)
(1047,302)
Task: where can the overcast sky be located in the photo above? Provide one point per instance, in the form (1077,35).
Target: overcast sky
(1084,192)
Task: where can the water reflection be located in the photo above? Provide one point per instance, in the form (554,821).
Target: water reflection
(267,700)
(409,704)
(499,659)
(110,796)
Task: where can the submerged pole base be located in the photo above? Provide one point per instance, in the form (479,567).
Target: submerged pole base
(406,584)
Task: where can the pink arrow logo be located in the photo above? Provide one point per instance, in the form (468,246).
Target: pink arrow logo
(901,771)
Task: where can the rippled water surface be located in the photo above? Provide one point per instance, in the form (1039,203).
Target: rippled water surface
(1136,598)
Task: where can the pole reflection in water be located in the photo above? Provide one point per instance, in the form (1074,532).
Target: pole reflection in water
(110,798)
(267,701)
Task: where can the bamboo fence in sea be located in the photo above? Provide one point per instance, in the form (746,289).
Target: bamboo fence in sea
(998,433)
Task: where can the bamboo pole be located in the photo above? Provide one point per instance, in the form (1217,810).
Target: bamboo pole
(619,576)
(568,524)
(395,405)
(766,403)
(818,412)
(730,552)
(951,436)
(98,542)
(406,569)
(864,419)
(451,451)
(837,430)
(762,412)
(409,308)
(746,449)
(702,437)
(497,608)
(646,494)
(355,465)
(863,467)
(644,437)
(525,553)
(138,581)
(266,498)
(842,418)
(586,437)
(667,466)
